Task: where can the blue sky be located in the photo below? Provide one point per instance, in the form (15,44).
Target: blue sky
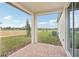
(48,21)
(10,16)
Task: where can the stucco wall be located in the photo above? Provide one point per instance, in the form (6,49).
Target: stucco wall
(61,28)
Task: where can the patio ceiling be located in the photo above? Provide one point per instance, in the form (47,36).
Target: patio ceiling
(40,7)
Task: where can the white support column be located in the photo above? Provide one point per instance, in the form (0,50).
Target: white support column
(34,29)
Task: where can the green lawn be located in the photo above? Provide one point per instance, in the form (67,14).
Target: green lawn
(13,43)
(47,37)
(76,39)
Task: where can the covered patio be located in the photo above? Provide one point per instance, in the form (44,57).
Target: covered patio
(40,50)
(35,48)
(39,8)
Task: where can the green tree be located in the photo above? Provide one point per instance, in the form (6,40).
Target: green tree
(28,28)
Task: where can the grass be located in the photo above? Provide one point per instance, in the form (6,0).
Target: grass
(13,43)
(47,37)
(7,33)
(76,39)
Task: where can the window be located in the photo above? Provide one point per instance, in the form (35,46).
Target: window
(73,29)
(70,30)
(76,28)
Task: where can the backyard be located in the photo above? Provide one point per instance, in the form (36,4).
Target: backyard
(16,39)
(76,39)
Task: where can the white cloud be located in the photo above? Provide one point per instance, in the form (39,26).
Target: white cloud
(52,21)
(47,24)
(42,23)
(7,17)
(1,2)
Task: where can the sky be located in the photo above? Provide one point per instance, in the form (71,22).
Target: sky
(76,17)
(48,21)
(12,17)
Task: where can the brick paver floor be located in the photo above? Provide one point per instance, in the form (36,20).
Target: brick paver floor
(40,50)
